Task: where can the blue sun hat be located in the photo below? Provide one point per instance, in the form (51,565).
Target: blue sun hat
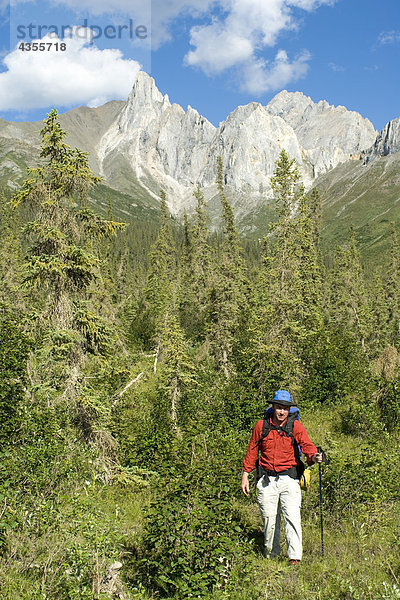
(283,397)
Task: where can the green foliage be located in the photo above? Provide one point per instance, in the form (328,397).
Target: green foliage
(153,354)
(161,272)
(227,296)
(287,316)
(96,333)
(196,270)
(61,257)
(389,403)
(337,368)
(390,311)
(192,534)
(10,253)
(350,303)
(356,481)
(14,347)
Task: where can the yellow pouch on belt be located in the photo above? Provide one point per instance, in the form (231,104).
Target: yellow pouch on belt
(305,479)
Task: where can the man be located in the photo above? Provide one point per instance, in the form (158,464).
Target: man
(278,489)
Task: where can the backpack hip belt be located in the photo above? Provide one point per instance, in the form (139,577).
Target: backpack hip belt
(292,472)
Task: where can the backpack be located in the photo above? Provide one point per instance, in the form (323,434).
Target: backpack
(286,429)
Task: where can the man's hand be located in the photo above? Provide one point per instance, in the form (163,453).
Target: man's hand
(317,458)
(245,484)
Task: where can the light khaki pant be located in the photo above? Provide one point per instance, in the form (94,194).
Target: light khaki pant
(276,495)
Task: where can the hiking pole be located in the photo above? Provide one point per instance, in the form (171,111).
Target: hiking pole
(324,459)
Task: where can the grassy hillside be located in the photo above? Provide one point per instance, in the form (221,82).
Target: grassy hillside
(365,196)
(17,156)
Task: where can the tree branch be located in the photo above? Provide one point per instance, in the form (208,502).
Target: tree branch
(127,388)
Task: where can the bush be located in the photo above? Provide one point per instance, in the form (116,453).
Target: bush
(389,403)
(192,534)
(361,476)
(14,349)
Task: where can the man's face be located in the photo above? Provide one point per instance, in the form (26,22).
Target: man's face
(280,412)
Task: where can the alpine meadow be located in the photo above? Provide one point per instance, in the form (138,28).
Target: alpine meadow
(144,331)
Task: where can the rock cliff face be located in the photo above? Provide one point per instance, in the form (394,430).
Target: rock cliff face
(328,134)
(387,142)
(164,146)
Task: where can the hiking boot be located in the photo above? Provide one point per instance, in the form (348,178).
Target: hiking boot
(294,562)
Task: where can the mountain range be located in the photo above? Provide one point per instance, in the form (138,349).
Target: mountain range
(147,143)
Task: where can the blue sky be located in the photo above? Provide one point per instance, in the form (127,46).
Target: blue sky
(211,54)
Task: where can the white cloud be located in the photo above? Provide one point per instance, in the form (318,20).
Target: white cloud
(217,50)
(248,28)
(233,34)
(249,24)
(336,68)
(78,75)
(259,76)
(389,37)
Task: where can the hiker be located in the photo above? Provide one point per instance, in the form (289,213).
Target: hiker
(280,468)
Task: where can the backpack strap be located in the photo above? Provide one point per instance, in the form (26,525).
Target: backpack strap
(266,428)
(285,429)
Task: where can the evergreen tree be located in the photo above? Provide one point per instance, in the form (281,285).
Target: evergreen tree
(186,291)
(161,278)
(61,259)
(349,305)
(196,271)
(227,295)
(288,312)
(314,202)
(392,291)
(380,313)
(177,370)
(11,255)
(14,348)
(201,252)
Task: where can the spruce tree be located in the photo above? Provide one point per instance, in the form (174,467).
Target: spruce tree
(228,292)
(350,305)
(177,369)
(315,207)
(392,291)
(62,258)
(288,312)
(162,271)
(11,255)
(196,272)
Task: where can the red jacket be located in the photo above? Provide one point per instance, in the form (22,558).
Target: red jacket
(277,452)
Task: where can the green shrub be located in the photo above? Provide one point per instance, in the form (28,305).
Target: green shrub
(192,534)
(362,475)
(14,348)
(389,403)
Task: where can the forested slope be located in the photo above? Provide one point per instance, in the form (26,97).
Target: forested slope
(134,362)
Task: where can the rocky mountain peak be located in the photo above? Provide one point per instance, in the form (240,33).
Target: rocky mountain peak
(328,134)
(290,106)
(146,93)
(387,141)
(149,143)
